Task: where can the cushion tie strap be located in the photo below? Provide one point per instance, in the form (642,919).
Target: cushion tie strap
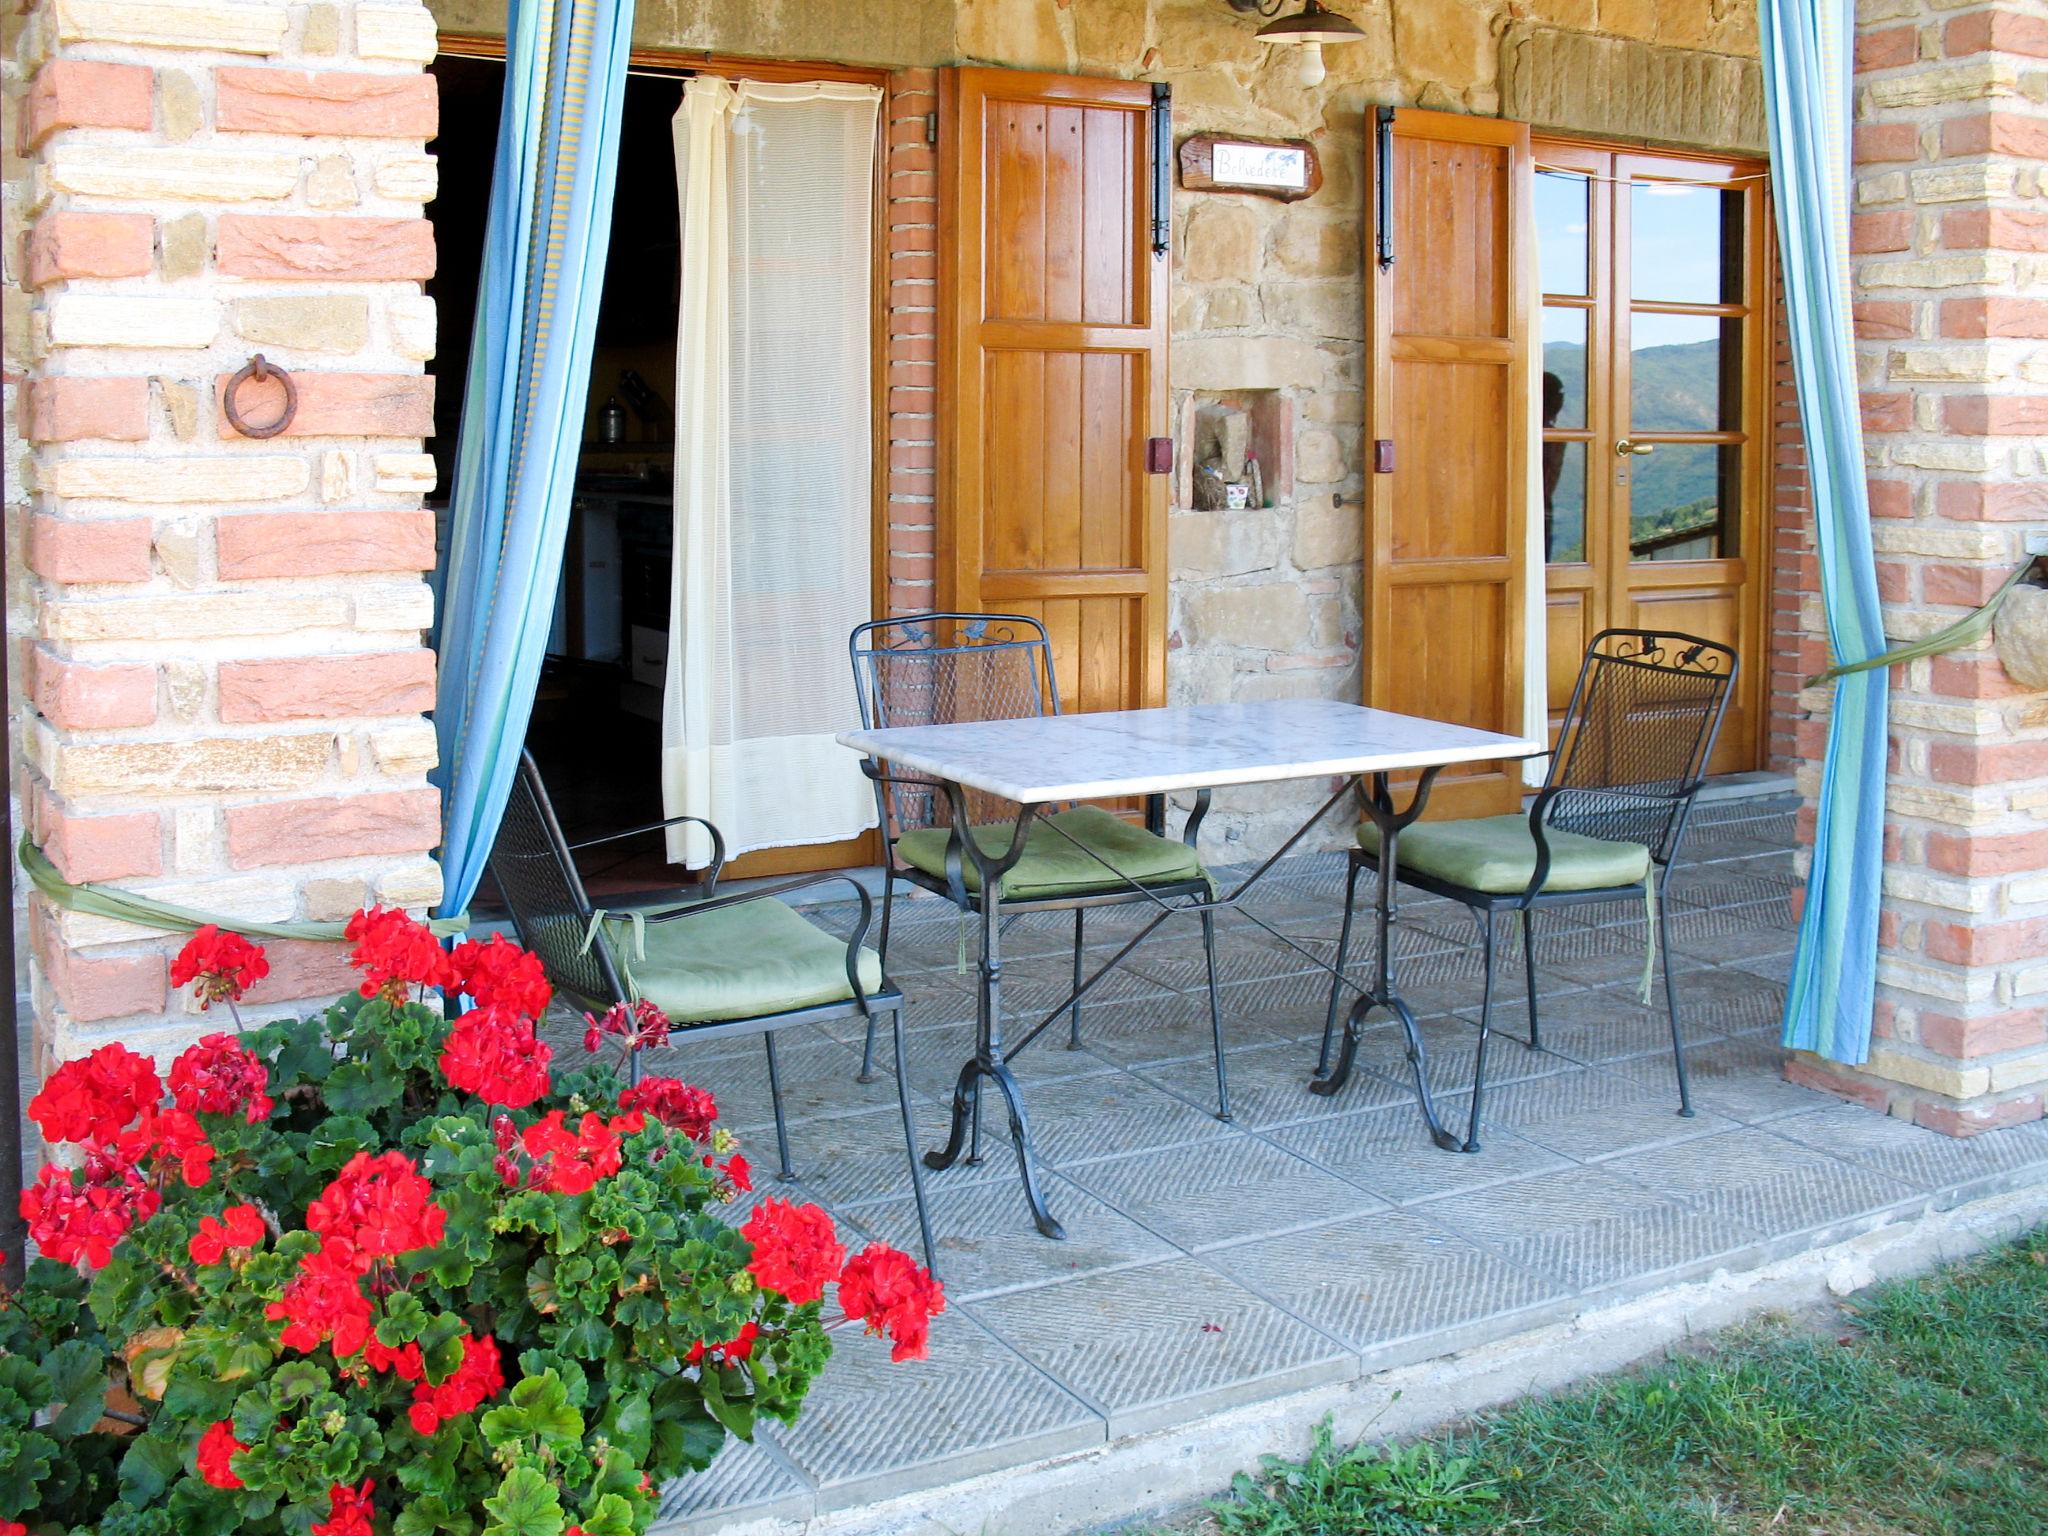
(634,919)
(1649,934)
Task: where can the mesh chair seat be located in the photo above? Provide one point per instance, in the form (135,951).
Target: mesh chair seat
(1497,855)
(742,962)
(1052,866)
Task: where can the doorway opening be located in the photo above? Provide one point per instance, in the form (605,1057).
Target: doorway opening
(689,575)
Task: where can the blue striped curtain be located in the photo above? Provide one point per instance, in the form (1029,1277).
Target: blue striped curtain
(523,404)
(1807,85)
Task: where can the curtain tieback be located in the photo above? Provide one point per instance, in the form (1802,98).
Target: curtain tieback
(1965,631)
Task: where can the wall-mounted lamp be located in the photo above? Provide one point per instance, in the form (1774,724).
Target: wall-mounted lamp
(1314,26)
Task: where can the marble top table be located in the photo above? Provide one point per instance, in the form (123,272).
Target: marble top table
(1036,760)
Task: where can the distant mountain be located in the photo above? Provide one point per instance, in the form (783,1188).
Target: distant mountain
(1675,388)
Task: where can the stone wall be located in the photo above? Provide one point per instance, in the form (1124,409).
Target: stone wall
(216,641)
(1951,257)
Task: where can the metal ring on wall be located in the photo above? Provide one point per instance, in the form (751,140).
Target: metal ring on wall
(259,370)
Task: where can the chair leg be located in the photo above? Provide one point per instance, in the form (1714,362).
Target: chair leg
(784,1172)
(1337,970)
(1485,1027)
(1074,1018)
(1535,1040)
(924,1215)
(1216,1016)
(867,1054)
(1671,1004)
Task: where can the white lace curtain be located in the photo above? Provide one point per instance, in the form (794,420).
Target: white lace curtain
(774,462)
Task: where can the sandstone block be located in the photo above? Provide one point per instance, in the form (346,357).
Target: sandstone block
(408,178)
(1246,362)
(412,322)
(212,616)
(315,323)
(79,93)
(1563,77)
(2022,633)
(180,545)
(337,476)
(67,408)
(181,402)
(89,551)
(1202,545)
(266,544)
(1318,458)
(404,473)
(320,30)
(334,899)
(250,898)
(407,607)
(1309,245)
(1448,41)
(327,687)
(170,173)
(1934,85)
(404,750)
(291,246)
(189,766)
(338,827)
(122,320)
(1331,309)
(77,697)
(65,244)
(211,28)
(402,32)
(177,94)
(332,183)
(1220,240)
(1269,616)
(186,245)
(310,103)
(411,885)
(1327,535)
(253,477)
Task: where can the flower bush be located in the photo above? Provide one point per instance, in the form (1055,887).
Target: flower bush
(379,1272)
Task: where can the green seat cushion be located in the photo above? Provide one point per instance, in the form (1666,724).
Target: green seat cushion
(1051,865)
(1497,855)
(741,962)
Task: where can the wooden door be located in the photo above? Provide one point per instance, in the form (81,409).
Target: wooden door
(1052,372)
(1654,345)
(1446,557)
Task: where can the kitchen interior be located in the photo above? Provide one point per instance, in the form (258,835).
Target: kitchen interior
(596,724)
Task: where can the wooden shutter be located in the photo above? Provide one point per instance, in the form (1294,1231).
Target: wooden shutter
(1052,372)
(1445,542)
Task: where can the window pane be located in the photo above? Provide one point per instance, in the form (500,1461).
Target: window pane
(1685,373)
(1561,231)
(1564,367)
(1685,243)
(1684,502)
(1564,502)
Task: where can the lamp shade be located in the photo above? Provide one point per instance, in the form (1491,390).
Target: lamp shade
(1314,24)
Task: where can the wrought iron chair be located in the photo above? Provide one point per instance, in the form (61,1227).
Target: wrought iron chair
(738,964)
(999,667)
(1606,826)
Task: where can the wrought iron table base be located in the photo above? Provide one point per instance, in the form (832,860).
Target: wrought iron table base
(990,1062)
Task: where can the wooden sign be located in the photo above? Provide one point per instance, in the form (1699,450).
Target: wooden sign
(1284,168)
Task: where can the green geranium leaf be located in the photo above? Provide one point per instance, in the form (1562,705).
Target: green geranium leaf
(540,1409)
(26,1458)
(524,1505)
(153,1459)
(295,1380)
(405,1316)
(609,1516)
(78,1379)
(431,1515)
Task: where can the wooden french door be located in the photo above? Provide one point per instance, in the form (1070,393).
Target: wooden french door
(1447,300)
(1052,372)
(1655,354)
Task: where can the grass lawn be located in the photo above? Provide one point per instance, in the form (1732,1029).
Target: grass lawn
(1921,1407)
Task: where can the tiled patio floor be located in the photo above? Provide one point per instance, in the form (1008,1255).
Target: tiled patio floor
(1313,1239)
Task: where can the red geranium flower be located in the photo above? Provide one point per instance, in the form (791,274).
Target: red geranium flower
(406,1359)
(380,1206)
(674,1102)
(796,1249)
(494,1054)
(733,1349)
(239,1226)
(323,1304)
(478,1377)
(569,1163)
(893,1295)
(638,1025)
(395,952)
(16,1528)
(218,1076)
(740,1174)
(83,1215)
(96,1097)
(166,1136)
(499,974)
(348,1511)
(216,1447)
(224,964)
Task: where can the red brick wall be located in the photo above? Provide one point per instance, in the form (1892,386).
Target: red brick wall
(1794,655)
(913,276)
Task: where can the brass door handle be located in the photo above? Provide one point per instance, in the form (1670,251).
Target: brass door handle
(1625,447)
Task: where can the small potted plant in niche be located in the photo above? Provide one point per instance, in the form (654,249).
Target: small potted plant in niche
(376,1271)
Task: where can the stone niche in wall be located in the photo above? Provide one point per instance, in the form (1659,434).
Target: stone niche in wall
(1223,434)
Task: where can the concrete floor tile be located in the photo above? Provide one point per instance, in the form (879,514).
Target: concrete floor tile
(1220,1192)
(1388,1153)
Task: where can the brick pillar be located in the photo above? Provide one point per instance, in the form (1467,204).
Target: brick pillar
(1951,242)
(913,287)
(217,640)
